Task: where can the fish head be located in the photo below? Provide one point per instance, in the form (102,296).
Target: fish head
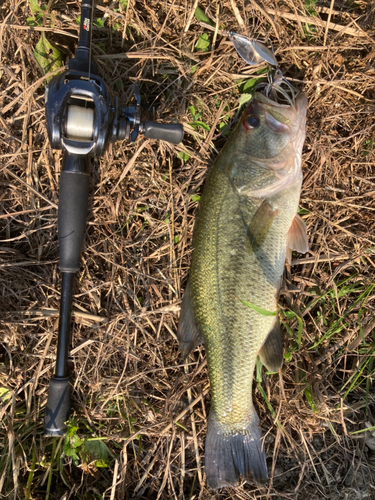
(270,139)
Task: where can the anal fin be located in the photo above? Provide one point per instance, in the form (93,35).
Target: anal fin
(188,334)
(271,353)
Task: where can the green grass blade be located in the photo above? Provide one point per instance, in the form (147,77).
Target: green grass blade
(337,326)
(368,429)
(259,310)
(270,407)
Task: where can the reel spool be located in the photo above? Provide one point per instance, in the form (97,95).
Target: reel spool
(79,123)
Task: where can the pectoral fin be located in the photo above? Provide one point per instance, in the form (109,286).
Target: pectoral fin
(188,334)
(271,353)
(297,237)
(260,225)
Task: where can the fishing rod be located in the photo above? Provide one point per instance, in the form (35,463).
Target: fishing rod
(83,118)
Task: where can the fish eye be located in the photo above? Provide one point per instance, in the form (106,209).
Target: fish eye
(253,121)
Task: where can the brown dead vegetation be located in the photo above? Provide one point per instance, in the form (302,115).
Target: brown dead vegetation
(130,388)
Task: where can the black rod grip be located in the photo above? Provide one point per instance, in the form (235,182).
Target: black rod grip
(73,199)
(170,132)
(57,408)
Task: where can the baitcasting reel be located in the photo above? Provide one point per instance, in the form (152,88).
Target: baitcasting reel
(83,116)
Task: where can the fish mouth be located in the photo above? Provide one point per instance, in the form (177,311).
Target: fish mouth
(261,98)
(300,101)
(279,117)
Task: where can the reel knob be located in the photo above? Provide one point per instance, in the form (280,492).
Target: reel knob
(170,132)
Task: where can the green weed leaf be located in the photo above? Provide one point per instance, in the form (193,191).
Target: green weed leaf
(203,43)
(273,413)
(34,6)
(288,354)
(195,115)
(37,20)
(72,445)
(249,85)
(183,156)
(193,111)
(367,429)
(310,7)
(116,27)
(198,123)
(224,129)
(101,463)
(201,16)
(4,394)
(367,147)
(182,427)
(302,211)
(244,98)
(48,57)
(310,399)
(99,23)
(97,451)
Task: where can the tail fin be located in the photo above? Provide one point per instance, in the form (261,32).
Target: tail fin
(229,456)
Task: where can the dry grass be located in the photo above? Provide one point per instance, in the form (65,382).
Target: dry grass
(130,388)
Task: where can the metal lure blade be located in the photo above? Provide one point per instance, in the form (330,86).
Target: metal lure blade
(252,51)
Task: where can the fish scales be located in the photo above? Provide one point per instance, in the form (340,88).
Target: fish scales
(239,246)
(221,278)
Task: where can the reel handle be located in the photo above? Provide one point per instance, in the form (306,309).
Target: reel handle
(170,132)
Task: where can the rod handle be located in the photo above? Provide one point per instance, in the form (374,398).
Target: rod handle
(170,132)
(73,200)
(57,408)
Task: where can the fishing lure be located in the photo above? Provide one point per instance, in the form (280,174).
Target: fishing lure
(278,88)
(251,50)
(254,52)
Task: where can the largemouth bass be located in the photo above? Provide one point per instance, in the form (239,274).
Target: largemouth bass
(246,221)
